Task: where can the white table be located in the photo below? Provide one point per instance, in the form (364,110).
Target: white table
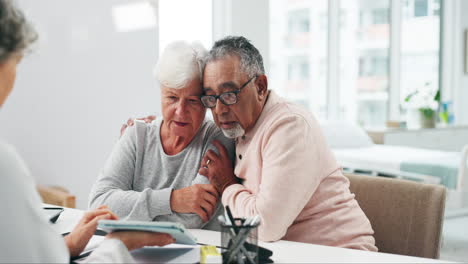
(283,251)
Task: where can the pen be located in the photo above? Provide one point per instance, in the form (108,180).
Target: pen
(239,245)
(231,218)
(254,221)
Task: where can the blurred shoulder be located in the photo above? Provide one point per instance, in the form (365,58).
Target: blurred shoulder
(6,149)
(8,155)
(12,166)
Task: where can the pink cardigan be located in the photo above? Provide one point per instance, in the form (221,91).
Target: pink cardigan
(293,182)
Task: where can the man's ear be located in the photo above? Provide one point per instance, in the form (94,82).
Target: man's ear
(262,86)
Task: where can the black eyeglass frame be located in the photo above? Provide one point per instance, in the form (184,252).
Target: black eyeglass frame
(216,97)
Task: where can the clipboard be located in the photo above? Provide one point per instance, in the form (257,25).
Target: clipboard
(176,230)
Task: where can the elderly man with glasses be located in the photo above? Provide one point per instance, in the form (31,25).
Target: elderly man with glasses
(289,176)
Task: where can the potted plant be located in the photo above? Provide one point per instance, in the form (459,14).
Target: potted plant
(422,105)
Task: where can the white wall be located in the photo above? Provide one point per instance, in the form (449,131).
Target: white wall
(244,18)
(251,19)
(76,89)
(463,84)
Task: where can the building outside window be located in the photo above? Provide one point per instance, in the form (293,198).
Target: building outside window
(364,55)
(380,16)
(420,52)
(299,46)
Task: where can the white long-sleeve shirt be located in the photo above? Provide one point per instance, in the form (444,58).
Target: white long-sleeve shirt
(26,235)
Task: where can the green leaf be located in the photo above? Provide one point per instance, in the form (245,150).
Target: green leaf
(427,112)
(437,96)
(408,98)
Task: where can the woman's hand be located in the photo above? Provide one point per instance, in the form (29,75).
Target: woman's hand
(200,199)
(78,238)
(138,239)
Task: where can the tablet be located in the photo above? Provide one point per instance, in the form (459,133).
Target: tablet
(176,230)
(53,213)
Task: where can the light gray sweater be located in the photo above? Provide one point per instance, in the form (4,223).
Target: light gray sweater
(138,178)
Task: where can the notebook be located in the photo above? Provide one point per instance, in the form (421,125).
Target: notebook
(176,230)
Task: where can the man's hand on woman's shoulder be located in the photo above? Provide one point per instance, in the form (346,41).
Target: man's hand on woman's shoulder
(131,122)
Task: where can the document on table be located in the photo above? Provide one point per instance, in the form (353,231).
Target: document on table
(93,243)
(174,253)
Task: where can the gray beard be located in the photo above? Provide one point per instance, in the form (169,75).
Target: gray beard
(234,132)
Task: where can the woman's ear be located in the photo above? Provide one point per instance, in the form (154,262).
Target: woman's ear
(7,76)
(262,86)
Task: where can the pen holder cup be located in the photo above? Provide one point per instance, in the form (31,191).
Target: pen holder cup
(239,242)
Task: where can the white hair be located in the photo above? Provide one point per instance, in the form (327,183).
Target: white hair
(179,63)
(235,132)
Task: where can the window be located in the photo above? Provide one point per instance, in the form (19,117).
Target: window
(364,92)
(373,65)
(323,21)
(380,16)
(419,52)
(298,28)
(420,8)
(299,67)
(380,65)
(352,77)
(436,8)
(343,18)
(298,21)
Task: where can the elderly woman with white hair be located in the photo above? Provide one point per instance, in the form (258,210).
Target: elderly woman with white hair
(152,173)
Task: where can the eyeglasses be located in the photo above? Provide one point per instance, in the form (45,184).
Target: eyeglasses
(227,98)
